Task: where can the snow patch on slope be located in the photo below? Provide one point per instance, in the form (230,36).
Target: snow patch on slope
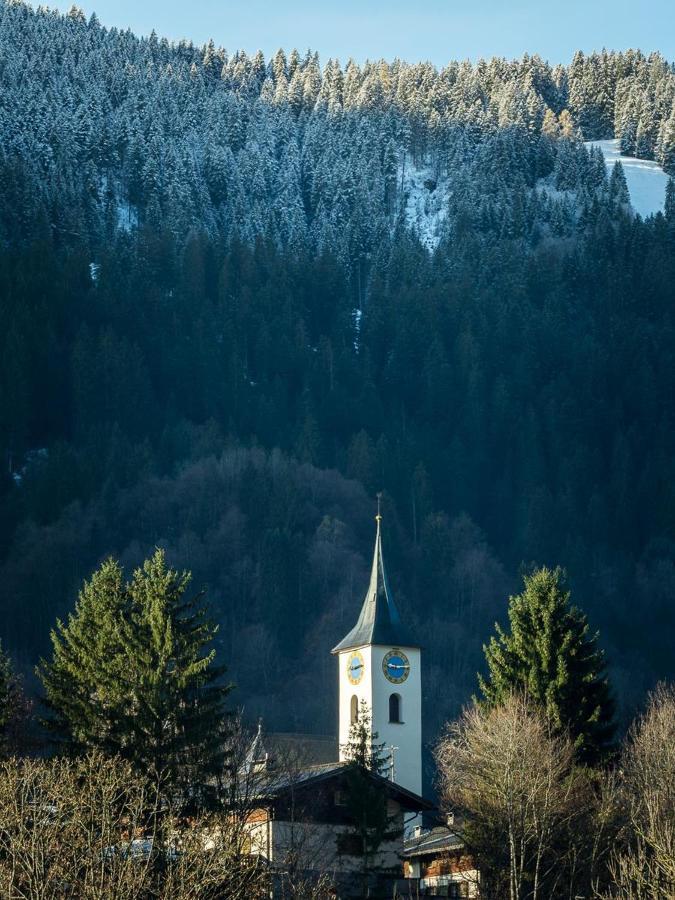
(32,458)
(426,202)
(127,217)
(356,319)
(646,179)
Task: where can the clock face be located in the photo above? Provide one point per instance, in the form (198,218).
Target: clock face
(396,666)
(355,667)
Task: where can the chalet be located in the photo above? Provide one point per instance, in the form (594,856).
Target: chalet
(437,861)
(299,823)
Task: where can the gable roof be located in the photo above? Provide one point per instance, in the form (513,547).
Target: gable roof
(313,776)
(379,621)
(436,842)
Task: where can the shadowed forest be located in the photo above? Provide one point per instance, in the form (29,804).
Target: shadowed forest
(224,328)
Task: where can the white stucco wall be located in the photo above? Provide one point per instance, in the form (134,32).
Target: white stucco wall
(375,689)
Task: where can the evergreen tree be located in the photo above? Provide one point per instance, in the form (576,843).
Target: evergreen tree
(15,711)
(132,673)
(82,681)
(669,208)
(366,797)
(5,697)
(618,186)
(668,146)
(362,749)
(549,654)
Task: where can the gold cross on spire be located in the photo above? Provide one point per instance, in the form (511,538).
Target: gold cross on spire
(378,517)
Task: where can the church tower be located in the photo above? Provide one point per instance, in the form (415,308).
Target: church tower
(379,662)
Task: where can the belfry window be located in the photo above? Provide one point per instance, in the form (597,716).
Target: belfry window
(354,713)
(395,708)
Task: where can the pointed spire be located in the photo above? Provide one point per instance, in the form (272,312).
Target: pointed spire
(379,621)
(257,756)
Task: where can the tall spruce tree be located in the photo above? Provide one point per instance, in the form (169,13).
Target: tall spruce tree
(366,797)
(550,655)
(133,673)
(669,207)
(16,738)
(82,682)
(668,146)
(5,697)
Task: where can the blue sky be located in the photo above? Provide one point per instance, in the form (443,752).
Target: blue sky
(437,30)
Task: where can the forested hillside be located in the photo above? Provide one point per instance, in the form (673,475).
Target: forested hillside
(239,296)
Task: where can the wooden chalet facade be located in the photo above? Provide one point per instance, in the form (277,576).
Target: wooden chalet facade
(437,861)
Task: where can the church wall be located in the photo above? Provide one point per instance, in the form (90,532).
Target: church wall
(347,690)
(376,690)
(407,735)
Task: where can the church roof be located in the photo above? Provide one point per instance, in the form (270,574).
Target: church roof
(306,749)
(257,753)
(290,750)
(379,621)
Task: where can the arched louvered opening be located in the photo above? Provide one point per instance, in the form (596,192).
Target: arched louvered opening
(354,716)
(395,708)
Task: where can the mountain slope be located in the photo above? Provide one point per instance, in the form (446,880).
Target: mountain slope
(240,296)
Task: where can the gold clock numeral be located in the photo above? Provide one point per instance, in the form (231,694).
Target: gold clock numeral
(355,667)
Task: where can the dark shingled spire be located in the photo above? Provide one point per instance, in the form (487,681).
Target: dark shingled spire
(379,621)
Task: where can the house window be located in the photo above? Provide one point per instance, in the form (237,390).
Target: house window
(458,889)
(354,717)
(395,708)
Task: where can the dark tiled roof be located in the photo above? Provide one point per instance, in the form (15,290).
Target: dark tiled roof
(435,842)
(379,621)
(277,784)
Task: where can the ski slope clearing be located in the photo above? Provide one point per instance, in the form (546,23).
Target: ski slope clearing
(646,179)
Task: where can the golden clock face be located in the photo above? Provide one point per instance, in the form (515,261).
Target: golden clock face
(396,666)
(355,667)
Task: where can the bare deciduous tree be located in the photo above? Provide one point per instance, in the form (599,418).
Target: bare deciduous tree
(254,780)
(91,829)
(512,785)
(67,829)
(643,868)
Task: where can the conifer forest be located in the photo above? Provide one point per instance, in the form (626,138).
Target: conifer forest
(240,296)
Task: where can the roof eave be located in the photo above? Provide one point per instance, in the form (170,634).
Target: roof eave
(407,645)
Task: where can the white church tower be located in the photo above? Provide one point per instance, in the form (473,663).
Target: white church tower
(379,662)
